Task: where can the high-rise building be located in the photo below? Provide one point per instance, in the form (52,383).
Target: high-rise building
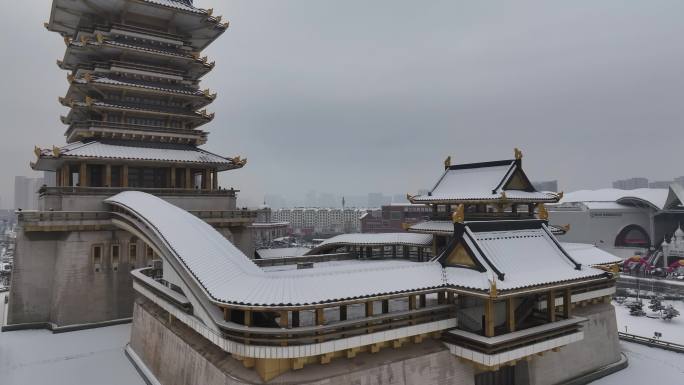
(631,184)
(660,184)
(26,192)
(550,185)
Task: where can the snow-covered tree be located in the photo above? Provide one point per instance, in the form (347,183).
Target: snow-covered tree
(669,313)
(656,305)
(636,309)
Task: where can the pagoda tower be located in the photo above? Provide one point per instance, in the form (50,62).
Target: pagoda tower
(136,117)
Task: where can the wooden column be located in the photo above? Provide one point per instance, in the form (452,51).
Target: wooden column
(510,314)
(108,175)
(343,312)
(489,318)
(284,321)
(173,177)
(206,183)
(440,298)
(248,318)
(385,306)
(394,251)
(551,306)
(226,314)
(82,175)
(412,302)
(214,180)
(423,300)
(124,176)
(188,179)
(567,303)
(320,317)
(369,309)
(450,297)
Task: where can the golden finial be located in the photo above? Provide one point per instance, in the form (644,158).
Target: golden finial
(56,151)
(206,92)
(459,215)
(447,162)
(226,24)
(518,154)
(542,213)
(493,291)
(210,11)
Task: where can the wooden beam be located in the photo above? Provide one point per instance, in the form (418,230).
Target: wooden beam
(489,318)
(510,314)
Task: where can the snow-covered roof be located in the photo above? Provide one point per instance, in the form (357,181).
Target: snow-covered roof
(374,239)
(588,254)
(283,252)
(517,259)
(226,275)
(481,182)
(136,151)
(144,85)
(651,196)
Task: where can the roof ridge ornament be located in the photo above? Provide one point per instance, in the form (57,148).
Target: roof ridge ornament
(447,162)
(518,153)
(459,214)
(542,213)
(493,291)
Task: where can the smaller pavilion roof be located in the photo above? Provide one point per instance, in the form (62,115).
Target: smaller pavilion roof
(447,228)
(374,239)
(483,182)
(657,198)
(49,159)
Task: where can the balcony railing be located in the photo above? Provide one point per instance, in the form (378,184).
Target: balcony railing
(71,190)
(50,216)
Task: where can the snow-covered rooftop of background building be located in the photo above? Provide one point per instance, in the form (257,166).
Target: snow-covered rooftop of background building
(282,252)
(654,197)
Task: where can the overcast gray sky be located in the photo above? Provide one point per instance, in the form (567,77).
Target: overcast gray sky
(356,96)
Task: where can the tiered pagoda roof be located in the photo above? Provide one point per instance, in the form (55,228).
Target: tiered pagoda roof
(135,68)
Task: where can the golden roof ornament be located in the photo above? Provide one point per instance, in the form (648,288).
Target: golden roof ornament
(88,77)
(84,39)
(542,213)
(210,11)
(70,78)
(447,162)
(89,101)
(38,151)
(503,196)
(56,151)
(566,227)
(518,154)
(560,195)
(100,38)
(409,197)
(493,291)
(459,214)
(67,40)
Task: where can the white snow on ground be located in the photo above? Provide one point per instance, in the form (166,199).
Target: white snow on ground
(673,331)
(92,357)
(646,366)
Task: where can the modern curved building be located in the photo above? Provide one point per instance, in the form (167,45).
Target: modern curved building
(622,222)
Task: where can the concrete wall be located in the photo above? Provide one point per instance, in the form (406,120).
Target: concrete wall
(177,355)
(88,202)
(599,348)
